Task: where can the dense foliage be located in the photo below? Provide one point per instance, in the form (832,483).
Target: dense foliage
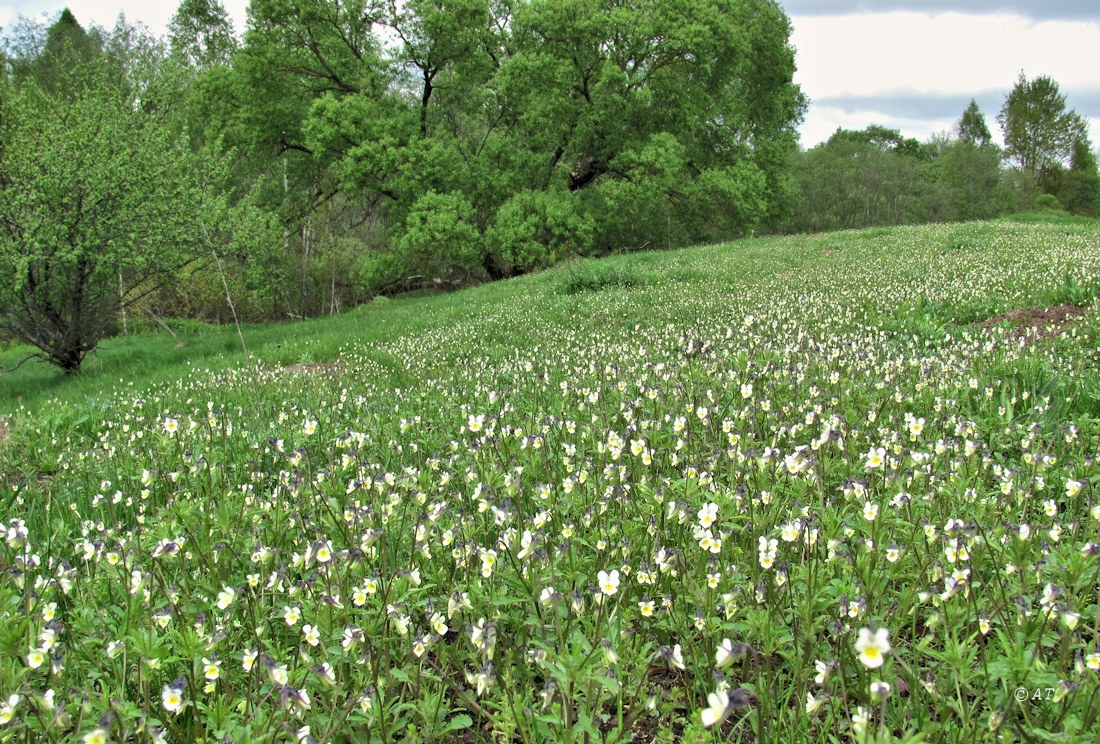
(824,488)
(337,150)
(877,177)
(429,143)
(103,200)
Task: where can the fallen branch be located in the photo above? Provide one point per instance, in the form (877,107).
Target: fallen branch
(23,361)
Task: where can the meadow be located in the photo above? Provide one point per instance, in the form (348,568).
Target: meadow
(830,488)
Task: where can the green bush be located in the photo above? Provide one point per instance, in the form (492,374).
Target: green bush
(440,239)
(535,229)
(595,276)
(1048,201)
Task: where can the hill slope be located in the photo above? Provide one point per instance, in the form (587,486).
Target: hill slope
(809,472)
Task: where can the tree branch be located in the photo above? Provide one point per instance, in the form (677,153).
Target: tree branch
(23,361)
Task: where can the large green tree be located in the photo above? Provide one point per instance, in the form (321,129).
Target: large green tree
(101,202)
(969,170)
(202,33)
(669,120)
(1039,130)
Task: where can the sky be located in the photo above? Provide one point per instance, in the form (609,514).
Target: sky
(912,65)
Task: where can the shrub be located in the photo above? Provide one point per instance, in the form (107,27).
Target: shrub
(535,229)
(1048,201)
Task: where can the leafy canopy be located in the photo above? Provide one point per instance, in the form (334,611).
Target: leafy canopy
(102,200)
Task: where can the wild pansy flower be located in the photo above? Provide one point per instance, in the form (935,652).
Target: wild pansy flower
(875,458)
(673,656)
(292,614)
(226,597)
(608,582)
(96,736)
(728,652)
(311,634)
(872,646)
(171,697)
(870,511)
(7,710)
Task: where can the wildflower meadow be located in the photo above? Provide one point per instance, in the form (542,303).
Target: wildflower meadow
(831,488)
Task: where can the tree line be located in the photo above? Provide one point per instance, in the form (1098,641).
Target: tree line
(875,176)
(341,149)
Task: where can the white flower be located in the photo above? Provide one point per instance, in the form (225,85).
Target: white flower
(675,656)
(7,710)
(609,582)
(876,456)
(718,704)
(35,658)
(790,530)
(95,736)
(225,597)
(279,674)
(872,646)
(870,511)
(172,698)
(860,720)
(439,624)
(312,634)
(724,656)
(211,669)
(708,515)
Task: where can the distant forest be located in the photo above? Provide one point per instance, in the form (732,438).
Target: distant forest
(338,150)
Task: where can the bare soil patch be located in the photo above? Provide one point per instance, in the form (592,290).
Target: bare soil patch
(1044,322)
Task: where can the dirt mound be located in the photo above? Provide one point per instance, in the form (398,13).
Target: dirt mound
(1043,322)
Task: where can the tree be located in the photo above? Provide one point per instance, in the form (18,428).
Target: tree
(972,129)
(974,181)
(295,52)
(52,56)
(202,33)
(1080,189)
(665,121)
(872,176)
(969,170)
(101,201)
(1039,132)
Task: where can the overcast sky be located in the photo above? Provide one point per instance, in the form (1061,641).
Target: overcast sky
(912,65)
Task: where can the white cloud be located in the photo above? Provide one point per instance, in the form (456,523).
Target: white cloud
(915,54)
(945,53)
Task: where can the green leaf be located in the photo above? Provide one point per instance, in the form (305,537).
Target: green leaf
(459,722)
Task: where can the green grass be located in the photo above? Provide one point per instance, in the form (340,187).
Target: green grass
(584,505)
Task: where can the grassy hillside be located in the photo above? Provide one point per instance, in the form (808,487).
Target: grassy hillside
(814,488)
